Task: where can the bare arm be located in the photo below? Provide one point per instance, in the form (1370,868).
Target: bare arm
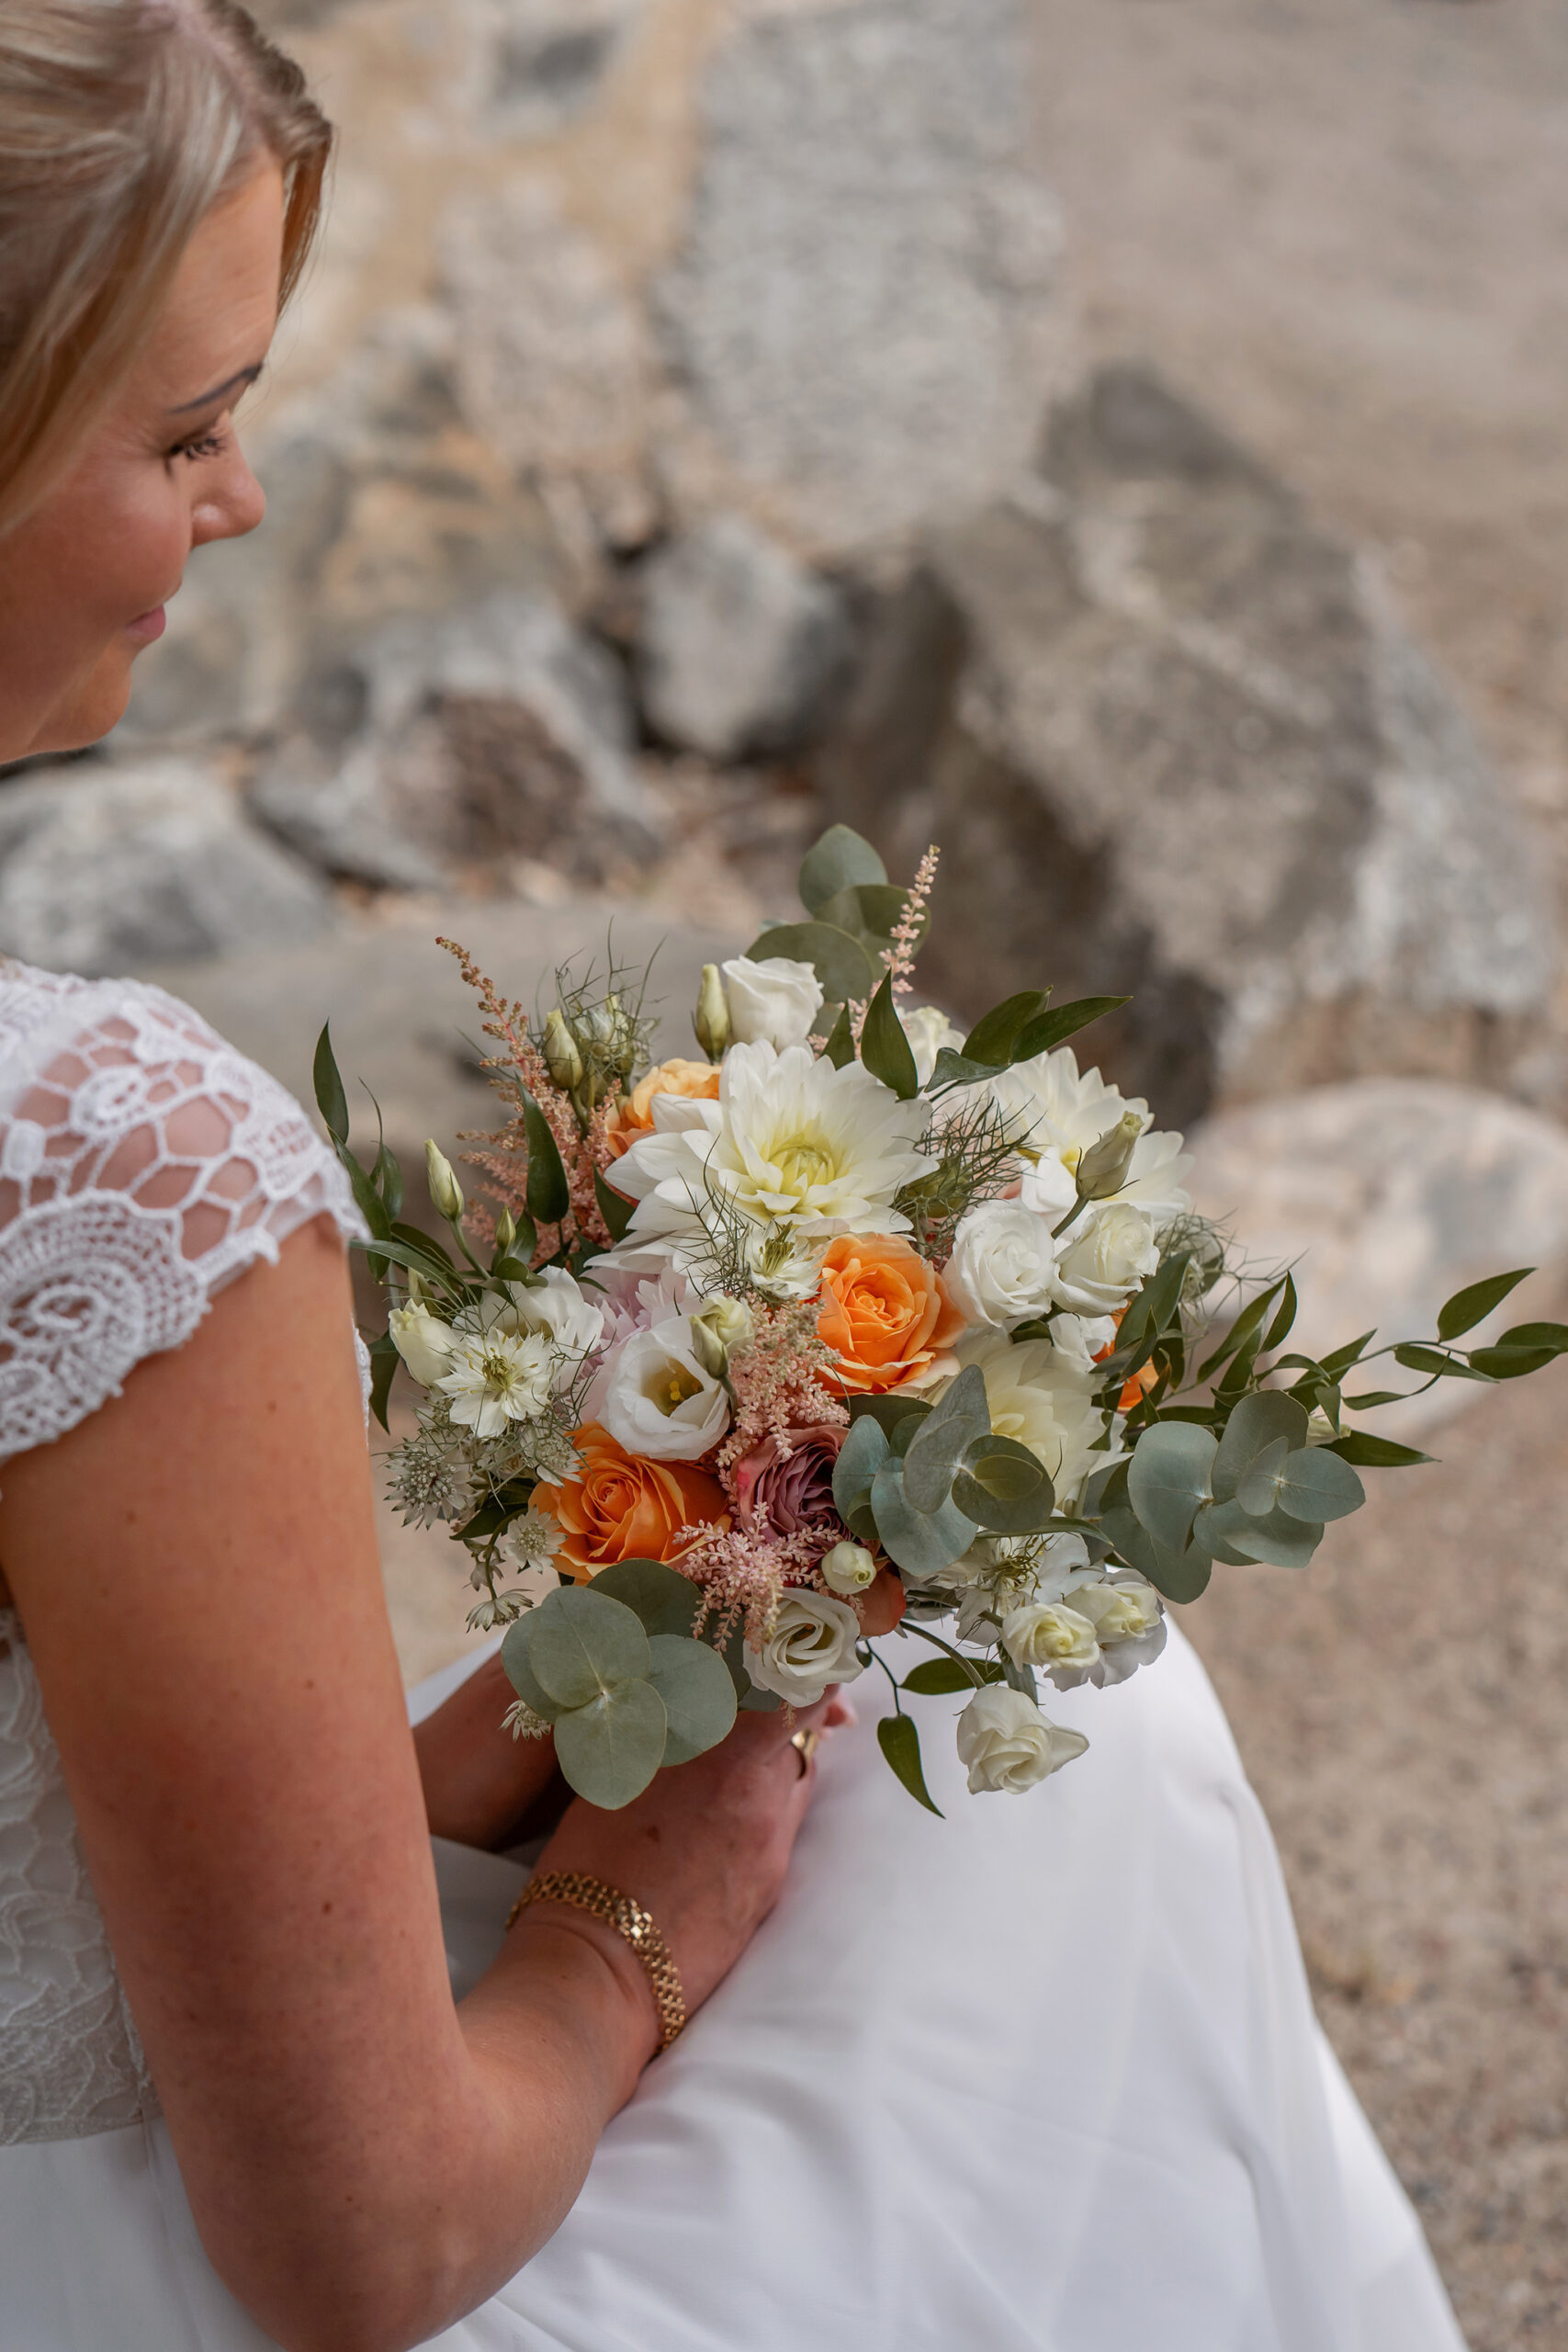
(197,1571)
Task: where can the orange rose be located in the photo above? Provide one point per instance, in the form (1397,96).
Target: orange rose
(885,1310)
(633,1116)
(618,1507)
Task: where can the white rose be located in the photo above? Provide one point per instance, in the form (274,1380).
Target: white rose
(929,1031)
(558,1306)
(1002,1264)
(655,1398)
(848,1569)
(1104,1258)
(1049,1633)
(1129,1624)
(812,1643)
(1007,1743)
(773,1002)
(423,1341)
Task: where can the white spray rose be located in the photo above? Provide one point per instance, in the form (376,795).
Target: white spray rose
(1128,1621)
(1049,1633)
(656,1398)
(847,1569)
(1006,1743)
(1104,1258)
(1002,1264)
(928,1030)
(773,1002)
(422,1341)
(812,1643)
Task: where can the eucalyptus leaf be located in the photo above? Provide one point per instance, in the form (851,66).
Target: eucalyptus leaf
(837,861)
(520,1674)
(861,1456)
(1004,1487)
(1257,1489)
(869,911)
(900,1742)
(846,971)
(1283,1542)
(610,1750)
(1471,1306)
(923,1542)
(1207,1536)
(889,1411)
(1255,1424)
(660,1597)
(698,1694)
(1168,1478)
(934,1453)
(884,1050)
(1318,1486)
(583,1643)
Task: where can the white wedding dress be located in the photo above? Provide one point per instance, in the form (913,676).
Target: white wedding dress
(1043,2076)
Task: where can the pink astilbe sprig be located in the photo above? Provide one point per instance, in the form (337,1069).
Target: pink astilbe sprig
(898,956)
(780,1383)
(743,1574)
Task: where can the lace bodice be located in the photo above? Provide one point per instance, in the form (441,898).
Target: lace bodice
(143,1165)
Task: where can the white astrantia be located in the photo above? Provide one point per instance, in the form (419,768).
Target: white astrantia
(811,1644)
(1006,1743)
(1003,1262)
(928,1030)
(422,1341)
(1040,1397)
(497,1377)
(773,1000)
(657,1397)
(791,1141)
(1051,1635)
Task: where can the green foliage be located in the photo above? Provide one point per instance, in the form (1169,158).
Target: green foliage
(699,1696)
(1004,1487)
(1468,1308)
(613,1207)
(331,1100)
(839,1048)
(844,968)
(610,1750)
(900,1742)
(944,1437)
(885,1049)
(837,861)
(548,1194)
(1019,1030)
(937,1676)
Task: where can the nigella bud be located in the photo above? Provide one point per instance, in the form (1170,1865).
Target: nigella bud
(562,1058)
(711,1019)
(1102,1169)
(444,1189)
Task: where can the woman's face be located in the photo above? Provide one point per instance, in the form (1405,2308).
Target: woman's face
(84,578)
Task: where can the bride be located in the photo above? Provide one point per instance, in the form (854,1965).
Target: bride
(1045,2078)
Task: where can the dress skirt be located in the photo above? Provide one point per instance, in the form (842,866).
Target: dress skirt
(1040,2077)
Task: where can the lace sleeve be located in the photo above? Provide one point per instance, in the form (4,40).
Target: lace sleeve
(144,1164)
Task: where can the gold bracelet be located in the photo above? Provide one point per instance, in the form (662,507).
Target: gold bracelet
(626,1916)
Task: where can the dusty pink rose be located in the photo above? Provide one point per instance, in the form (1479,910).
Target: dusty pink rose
(791,1492)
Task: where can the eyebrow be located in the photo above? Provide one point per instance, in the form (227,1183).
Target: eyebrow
(246,376)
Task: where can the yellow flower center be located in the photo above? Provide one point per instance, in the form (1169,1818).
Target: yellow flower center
(802,1162)
(671,1386)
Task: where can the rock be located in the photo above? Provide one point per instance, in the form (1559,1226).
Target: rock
(339,818)
(104,867)
(1174,741)
(863,315)
(1386,1195)
(742,646)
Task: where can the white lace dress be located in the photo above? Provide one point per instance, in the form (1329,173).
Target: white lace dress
(1040,2077)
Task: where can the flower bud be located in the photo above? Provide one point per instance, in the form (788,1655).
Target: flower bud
(711,1019)
(848,1569)
(444,1189)
(729,1320)
(562,1058)
(505,1232)
(709,1348)
(1102,1169)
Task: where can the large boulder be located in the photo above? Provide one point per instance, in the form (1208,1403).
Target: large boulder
(1175,742)
(104,867)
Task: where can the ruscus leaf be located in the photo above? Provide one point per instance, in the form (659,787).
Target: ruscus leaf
(549,1194)
(1471,1306)
(331,1100)
(900,1742)
(884,1050)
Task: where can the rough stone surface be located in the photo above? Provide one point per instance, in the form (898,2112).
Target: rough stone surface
(1174,741)
(864,314)
(742,646)
(103,867)
(1386,1195)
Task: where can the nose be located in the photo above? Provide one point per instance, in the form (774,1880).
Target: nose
(230,506)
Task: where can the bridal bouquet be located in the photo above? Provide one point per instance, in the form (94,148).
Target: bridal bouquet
(854,1332)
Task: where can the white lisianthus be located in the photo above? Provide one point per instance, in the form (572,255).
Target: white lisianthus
(1104,1258)
(790,1141)
(1129,1623)
(847,1569)
(812,1643)
(556,1304)
(656,1397)
(773,1002)
(928,1030)
(422,1341)
(1050,1634)
(1040,1397)
(1002,1264)
(497,1377)
(1006,1743)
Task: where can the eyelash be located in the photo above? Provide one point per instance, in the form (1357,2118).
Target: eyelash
(206,445)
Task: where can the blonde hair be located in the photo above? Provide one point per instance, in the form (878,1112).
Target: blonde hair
(122,122)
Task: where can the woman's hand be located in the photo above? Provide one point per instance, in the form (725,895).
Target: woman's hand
(482,1786)
(704,1847)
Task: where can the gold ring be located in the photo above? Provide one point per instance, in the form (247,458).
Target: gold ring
(805,1746)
